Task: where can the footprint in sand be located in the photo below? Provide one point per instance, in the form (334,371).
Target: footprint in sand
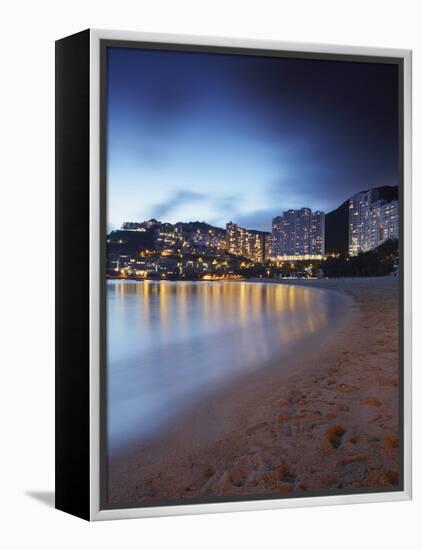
(371,401)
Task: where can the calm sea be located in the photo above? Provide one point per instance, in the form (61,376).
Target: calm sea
(172,344)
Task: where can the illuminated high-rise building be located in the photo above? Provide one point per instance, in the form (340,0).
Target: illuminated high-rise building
(246,242)
(371,221)
(359,222)
(298,233)
(317,237)
(235,239)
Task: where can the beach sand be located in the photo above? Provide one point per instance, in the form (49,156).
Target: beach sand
(327,418)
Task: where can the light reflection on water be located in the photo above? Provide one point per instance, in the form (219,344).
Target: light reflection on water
(170,344)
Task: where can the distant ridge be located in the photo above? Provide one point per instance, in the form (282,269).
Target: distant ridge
(190,227)
(337,221)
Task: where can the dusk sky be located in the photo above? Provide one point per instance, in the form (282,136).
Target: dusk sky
(218,138)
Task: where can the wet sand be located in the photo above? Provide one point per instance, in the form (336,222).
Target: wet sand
(327,418)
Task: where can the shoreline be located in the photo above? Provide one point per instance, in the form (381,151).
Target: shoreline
(327,421)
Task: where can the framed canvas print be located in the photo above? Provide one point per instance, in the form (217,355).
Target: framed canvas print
(233,274)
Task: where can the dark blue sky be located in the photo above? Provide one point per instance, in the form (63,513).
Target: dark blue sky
(217,137)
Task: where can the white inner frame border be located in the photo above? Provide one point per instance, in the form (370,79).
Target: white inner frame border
(183,509)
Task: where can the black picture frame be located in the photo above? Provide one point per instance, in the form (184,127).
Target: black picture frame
(76,491)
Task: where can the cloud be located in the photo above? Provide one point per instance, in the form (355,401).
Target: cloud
(260,220)
(179,198)
(227,203)
(221,205)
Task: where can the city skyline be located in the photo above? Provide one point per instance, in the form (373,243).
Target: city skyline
(192,249)
(232,136)
(296,234)
(280,213)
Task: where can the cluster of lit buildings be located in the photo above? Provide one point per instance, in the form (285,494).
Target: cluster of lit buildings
(249,243)
(296,235)
(167,264)
(187,237)
(371,221)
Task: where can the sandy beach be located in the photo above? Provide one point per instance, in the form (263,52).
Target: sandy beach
(326,419)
